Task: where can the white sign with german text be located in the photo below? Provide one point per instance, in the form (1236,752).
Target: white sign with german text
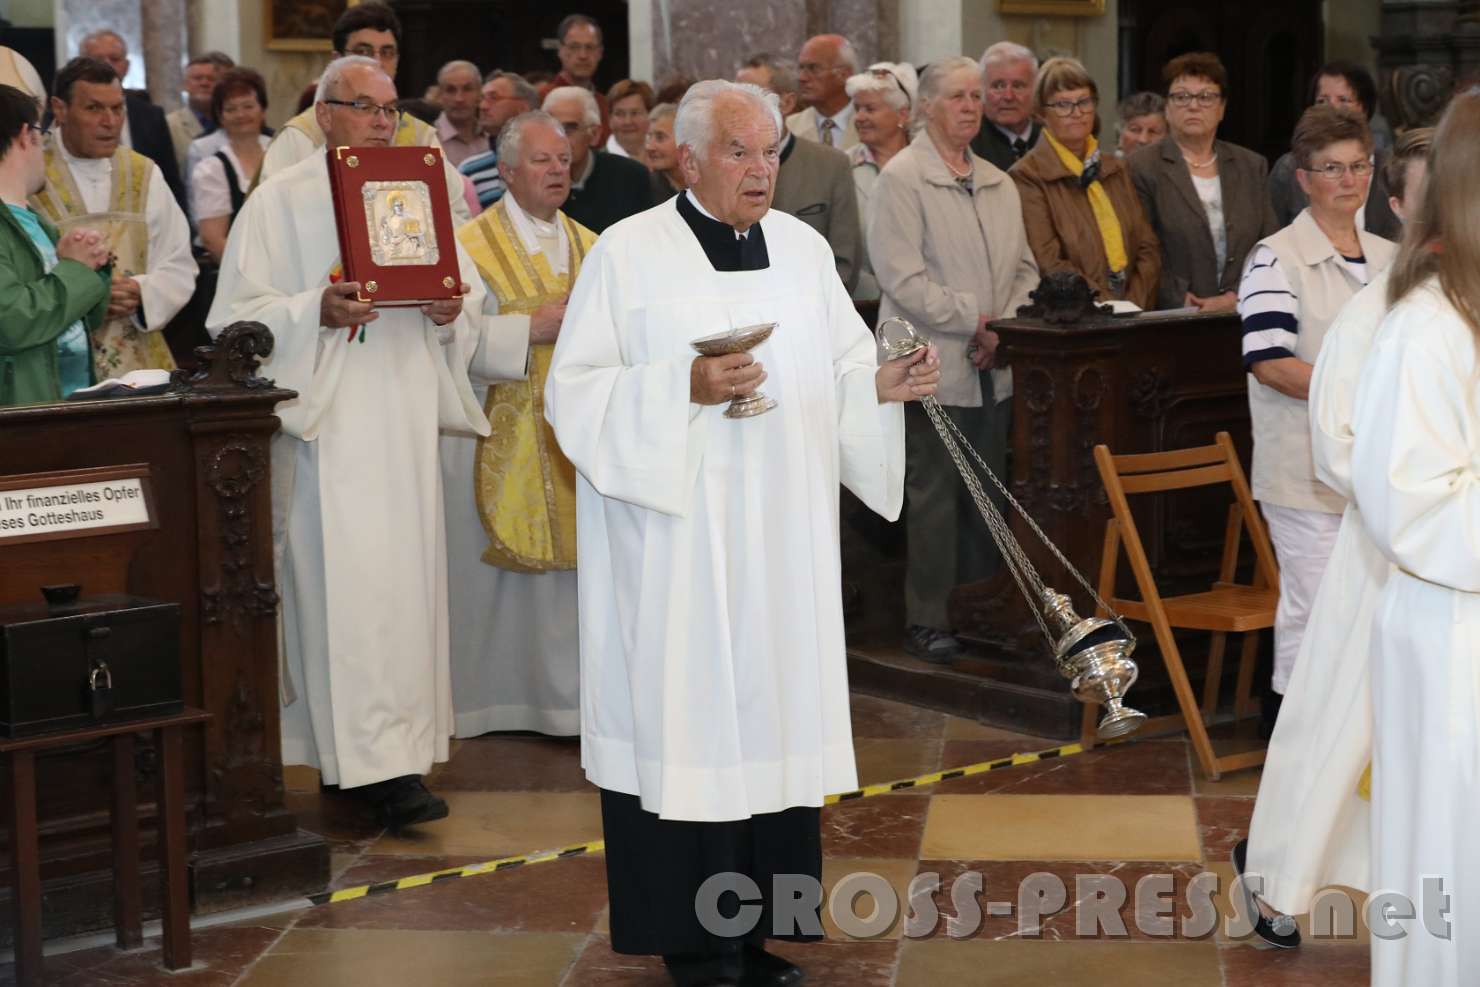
(61,508)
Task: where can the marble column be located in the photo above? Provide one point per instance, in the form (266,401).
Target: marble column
(162,24)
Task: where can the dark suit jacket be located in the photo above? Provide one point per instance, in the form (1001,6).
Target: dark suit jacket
(990,143)
(618,187)
(815,185)
(150,133)
(1288,198)
(1188,259)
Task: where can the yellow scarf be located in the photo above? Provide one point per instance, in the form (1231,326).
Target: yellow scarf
(1099,203)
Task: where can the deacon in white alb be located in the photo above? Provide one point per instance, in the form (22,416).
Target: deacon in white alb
(1416,477)
(714,694)
(1311,821)
(357,497)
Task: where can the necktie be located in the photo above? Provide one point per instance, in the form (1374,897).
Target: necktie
(827,130)
(1019,148)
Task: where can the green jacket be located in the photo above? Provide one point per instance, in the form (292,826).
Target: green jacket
(36,308)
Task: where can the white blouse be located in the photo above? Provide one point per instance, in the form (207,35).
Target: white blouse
(210,196)
(1210,191)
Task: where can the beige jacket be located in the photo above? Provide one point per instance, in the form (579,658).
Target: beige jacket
(944,259)
(1284,471)
(804,124)
(184,128)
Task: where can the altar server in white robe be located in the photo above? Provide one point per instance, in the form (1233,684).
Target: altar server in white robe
(1416,477)
(1310,827)
(357,490)
(714,694)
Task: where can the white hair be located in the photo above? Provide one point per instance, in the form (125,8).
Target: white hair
(663,111)
(590,112)
(460,65)
(1005,53)
(935,77)
(693,124)
(848,56)
(896,84)
(334,71)
(511,137)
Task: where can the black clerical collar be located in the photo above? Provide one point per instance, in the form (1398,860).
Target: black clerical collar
(726,249)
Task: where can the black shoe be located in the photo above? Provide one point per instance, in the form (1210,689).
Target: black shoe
(1269,712)
(930,644)
(763,969)
(705,969)
(404,801)
(1279,932)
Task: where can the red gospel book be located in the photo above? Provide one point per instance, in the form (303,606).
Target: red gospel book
(395,224)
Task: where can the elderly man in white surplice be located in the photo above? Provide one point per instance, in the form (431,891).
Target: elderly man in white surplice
(357,499)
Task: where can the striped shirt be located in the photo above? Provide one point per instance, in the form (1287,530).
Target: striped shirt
(1270,309)
(482,170)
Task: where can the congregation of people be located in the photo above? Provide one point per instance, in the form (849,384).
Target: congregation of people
(599,232)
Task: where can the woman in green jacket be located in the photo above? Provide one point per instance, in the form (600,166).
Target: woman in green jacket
(52,291)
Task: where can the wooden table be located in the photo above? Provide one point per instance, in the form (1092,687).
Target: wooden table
(128,906)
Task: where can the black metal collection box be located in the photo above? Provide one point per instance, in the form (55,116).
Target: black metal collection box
(75,661)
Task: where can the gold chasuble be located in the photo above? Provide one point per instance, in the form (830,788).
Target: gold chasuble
(118,345)
(524,485)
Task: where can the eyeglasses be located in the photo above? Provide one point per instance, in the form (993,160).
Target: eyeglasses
(1183,99)
(815,68)
(40,131)
(364,108)
(1332,171)
(1068,107)
(581,47)
(370,51)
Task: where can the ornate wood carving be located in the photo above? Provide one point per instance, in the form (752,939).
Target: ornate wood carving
(230,363)
(239,593)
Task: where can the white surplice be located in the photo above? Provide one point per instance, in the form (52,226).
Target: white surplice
(357,499)
(1416,477)
(1310,827)
(169,280)
(713,675)
(515,656)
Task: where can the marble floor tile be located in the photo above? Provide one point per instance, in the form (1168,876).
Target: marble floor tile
(365,958)
(496,824)
(556,896)
(1150,767)
(1081,901)
(1016,963)
(958,728)
(1223,822)
(344,820)
(852,963)
(598,966)
(502,762)
(852,870)
(1308,966)
(877,827)
(300,778)
(220,956)
(886,759)
(883,718)
(1061,827)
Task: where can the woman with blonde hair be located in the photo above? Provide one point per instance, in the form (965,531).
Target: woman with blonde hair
(883,97)
(1079,206)
(1416,477)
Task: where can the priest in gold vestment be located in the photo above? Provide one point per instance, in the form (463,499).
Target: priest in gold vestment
(510,497)
(92,181)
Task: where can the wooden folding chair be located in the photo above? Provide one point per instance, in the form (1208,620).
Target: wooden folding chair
(1227,607)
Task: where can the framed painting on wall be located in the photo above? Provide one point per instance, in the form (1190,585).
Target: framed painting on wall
(1063,8)
(301,25)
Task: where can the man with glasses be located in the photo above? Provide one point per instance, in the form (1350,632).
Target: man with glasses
(823,68)
(1008,129)
(93,181)
(604,187)
(580,55)
(53,289)
(370,30)
(358,531)
(505,96)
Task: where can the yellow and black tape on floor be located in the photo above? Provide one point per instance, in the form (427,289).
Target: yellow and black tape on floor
(596,846)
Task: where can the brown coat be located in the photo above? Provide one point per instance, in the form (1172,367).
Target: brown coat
(1188,257)
(1062,230)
